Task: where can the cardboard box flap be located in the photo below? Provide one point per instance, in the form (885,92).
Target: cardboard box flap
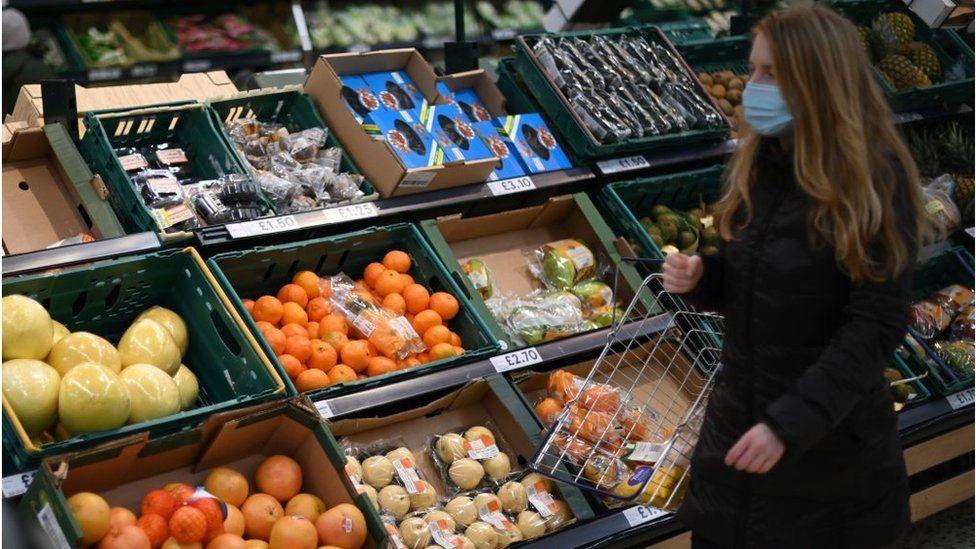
(479,81)
(88,469)
(405,59)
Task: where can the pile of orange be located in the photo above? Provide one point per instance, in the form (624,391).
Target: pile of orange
(317,345)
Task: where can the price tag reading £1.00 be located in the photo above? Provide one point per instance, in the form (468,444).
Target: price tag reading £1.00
(516,359)
(640,514)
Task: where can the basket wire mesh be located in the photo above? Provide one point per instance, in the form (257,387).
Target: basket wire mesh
(628,429)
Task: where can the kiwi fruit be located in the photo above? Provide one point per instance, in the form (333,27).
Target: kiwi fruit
(717,91)
(734,97)
(686,239)
(658,210)
(735,83)
(705,78)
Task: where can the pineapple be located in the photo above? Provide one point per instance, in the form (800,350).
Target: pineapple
(923,56)
(902,73)
(895,31)
(870,43)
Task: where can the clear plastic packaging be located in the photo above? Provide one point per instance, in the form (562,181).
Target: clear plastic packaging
(392,335)
(539,317)
(480,277)
(389,468)
(939,205)
(158,188)
(472,458)
(563,263)
(958,355)
(964,326)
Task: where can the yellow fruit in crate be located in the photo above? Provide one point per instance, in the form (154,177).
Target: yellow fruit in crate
(149,342)
(92,514)
(31,389)
(152,393)
(172,322)
(27,328)
(186,382)
(79,347)
(92,398)
(60,330)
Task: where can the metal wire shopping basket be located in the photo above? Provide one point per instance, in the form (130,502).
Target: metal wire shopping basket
(628,429)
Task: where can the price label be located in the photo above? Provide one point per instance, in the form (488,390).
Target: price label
(433,42)
(509,186)
(196,65)
(625,164)
(289,56)
(971,231)
(15,485)
(516,359)
(142,71)
(359,48)
(49,523)
(351,212)
(324,408)
(641,514)
(962,398)
(417,179)
(262,226)
(109,73)
(503,34)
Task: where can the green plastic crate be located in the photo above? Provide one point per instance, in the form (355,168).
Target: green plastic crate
(188,124)
(263,270)
(729,53)
(105,297)
(687,32)
(557,107)
(952,50)
(289,107)
(518,100)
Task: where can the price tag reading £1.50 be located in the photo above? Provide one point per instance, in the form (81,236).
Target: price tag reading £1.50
(516,359)
(262,226)
(625,164)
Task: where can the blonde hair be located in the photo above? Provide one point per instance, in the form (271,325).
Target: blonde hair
(847,155)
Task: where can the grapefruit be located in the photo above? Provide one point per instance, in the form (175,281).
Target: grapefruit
(279,476)
(172,322)
(228,485)
(152,393)
(92,398)
(74,349)
(186,382)
(305,505)
(260,512)
(148,342)
(125,537)
(27,328)
(227,541)
(343,526)
(31,389)
(171,543)
(92,514)
(120,516)
(293,532)
(234,523)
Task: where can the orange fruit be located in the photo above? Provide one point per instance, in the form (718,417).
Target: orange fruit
(264,325)
(379,365)
(336,339)
(215,516)
(334,323)
(234,523)
(409,317)
(299,347)
(159,502)
(227,484)
(317,308)
(386,341)
(356,355)
(294,330)
(395,304)
(267,308)
(455,340)
(293,532)
(445,305)
(325,288)
(126,536)
(227,541)
(547,409)
(294,313)
(323,357)
(442,351)
(342,526)
(407,279)
(249,305)
(280,477)
(424,320)
(155,527)
(388,282)
(181,490)
(371,272)
(120,516)
(188,524)
(436,334)
(422,358)
(311,379)
(416,298)
(397,260)
(309,282)
(293,293)
(313,330)
(410,362)
(458,350)
(292,365)
(276,339)
(340,373)
(260,512)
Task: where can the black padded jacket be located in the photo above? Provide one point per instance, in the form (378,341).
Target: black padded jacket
(804,351)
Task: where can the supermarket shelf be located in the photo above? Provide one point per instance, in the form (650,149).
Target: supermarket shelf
(932,114)
(567,350)
(935,416)
(639,165)
(63,256)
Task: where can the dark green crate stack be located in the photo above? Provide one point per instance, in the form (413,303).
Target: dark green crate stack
(680,33)
(291,108)
(954,266)
(518,99)
(186,124)
(955,56)
(730,53)
(263,270)
(105,297)
(558,110)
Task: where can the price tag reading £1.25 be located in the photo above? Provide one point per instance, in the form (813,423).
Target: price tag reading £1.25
(516,359)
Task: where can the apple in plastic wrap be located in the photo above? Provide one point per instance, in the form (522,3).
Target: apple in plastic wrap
(152,393)
(92,398)
(31,388)
(27,328)
(149,342)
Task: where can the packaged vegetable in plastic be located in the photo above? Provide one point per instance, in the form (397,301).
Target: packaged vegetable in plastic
(480,277)
(158,188)
(958,355)
(928,318)
(565,262)
(547,318)
(953,298)
(939,206)
(344,186)
(392,335)
(593,294)
(964,326)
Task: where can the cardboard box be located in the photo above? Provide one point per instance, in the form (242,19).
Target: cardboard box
(190,87)
(491,400)
(124,471)
(48,192)
(501,241)
(378,161)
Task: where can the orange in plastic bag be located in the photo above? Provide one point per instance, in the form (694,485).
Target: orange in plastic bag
(600,397)
(635,425)
(596,427)
(563,386)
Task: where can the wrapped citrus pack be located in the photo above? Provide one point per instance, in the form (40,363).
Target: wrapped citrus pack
(565,386)
(480,277)
(596,427)
(565,262)
(391,334)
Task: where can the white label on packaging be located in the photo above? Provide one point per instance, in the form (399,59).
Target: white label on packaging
(441,532)
(140,71)
(962,398)
(324,408)
(646,452)
(50,525)
(289,56)
(408,475)
(364,325)
(15,485)
(509,186)
(262,226)
(541,499)
(625,164)
(491,513)
(640,514)
(516,359)
(481,448)
(417,179)
(350,212)
(196,65)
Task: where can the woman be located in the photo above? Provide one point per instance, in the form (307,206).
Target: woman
(819,222)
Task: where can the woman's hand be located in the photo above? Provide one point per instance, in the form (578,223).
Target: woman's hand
(757,451)
(682,273)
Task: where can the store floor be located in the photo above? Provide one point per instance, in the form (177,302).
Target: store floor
(949,529)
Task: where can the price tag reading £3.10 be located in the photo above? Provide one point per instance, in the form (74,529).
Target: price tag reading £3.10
(509,186)
(625,164)
(640,514)
(516,359)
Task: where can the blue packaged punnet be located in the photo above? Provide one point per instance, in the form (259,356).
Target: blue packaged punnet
(467,100)
(457,136)
(397,93)
(359,98)
(535,143)
(411,141)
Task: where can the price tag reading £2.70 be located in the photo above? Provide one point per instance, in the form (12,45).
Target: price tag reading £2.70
(510,186)
(640,514)
(962,398)
(516,359)
(625,164)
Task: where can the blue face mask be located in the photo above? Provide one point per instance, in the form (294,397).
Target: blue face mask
(766,111)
